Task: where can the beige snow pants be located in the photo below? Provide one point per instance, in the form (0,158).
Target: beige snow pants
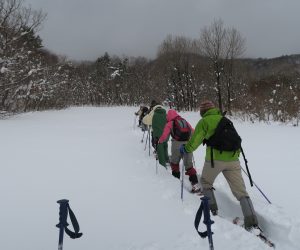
(231,171)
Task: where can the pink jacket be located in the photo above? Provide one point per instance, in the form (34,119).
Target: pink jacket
(172,114)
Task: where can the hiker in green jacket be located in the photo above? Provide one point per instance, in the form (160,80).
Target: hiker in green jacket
(226,162)
(156,119)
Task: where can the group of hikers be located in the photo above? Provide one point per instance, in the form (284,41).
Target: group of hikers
(185,140)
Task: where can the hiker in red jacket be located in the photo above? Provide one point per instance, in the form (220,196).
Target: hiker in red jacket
(180,131)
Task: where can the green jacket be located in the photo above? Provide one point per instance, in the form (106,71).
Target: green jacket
(204,130)
(159,121)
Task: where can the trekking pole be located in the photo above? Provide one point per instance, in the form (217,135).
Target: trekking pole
(149,139)
(64,210)
(208,222)
(204,208)
(63,214)
(146,140)
(143,136)
(258,188)
(250,178)
(182,180)
(246,163)
(156,171)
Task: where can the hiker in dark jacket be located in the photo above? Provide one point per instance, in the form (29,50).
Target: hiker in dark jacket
(156,119)
(180,131)
(226,162)
(141,113)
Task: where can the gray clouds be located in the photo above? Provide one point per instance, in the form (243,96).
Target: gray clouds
(85,29)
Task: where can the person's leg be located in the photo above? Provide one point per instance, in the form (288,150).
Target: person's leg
(207,179)
(166,152)
(189,168)
(233,175)
(175,159)
(250,218)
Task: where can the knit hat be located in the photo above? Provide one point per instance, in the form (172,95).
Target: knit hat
(206,105)
(153,103)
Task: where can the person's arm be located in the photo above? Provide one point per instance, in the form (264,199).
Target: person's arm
(166,132)
(197,138)
(191,128)
(138,112)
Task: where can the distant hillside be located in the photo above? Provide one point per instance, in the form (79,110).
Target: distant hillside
(287,64)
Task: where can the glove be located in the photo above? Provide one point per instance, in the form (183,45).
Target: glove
(182,149)
(155,142)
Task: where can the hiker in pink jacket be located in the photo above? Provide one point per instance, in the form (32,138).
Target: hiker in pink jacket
(180,131)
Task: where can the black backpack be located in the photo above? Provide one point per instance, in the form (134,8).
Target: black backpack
(180,130)
(225,137)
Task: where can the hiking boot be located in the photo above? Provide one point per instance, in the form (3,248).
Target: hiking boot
(214,212)
(254,230)
(193,179)
(176,174)
(196,188)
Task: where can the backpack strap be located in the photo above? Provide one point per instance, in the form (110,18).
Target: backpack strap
(75,234)
(197,221)
(246,163)
(204,209)
(205,142)
(212,156)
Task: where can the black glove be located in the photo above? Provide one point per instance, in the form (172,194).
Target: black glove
(155,142)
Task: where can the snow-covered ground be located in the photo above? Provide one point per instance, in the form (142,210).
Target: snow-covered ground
(94,157)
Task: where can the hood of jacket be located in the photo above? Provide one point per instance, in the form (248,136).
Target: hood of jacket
(157,107)
(172,114)
(213,111)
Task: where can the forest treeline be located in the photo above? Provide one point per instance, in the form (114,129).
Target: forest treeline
(184,72)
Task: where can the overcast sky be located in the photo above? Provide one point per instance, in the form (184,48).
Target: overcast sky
(85,29)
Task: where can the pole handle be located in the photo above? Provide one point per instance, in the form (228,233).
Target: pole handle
(63,213)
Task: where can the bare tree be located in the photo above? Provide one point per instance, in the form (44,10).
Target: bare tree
(179,56)
(16,20)
(213,46)
(221,46)
(235,45)
(20,58)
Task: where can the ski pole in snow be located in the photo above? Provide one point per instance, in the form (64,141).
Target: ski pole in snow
(63,214)
(64,209)
(258,188)
(156,171)
(143,136)
(156,157)
(246,163)
(147,137)
(250,178)
(204,208)
(182,180)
